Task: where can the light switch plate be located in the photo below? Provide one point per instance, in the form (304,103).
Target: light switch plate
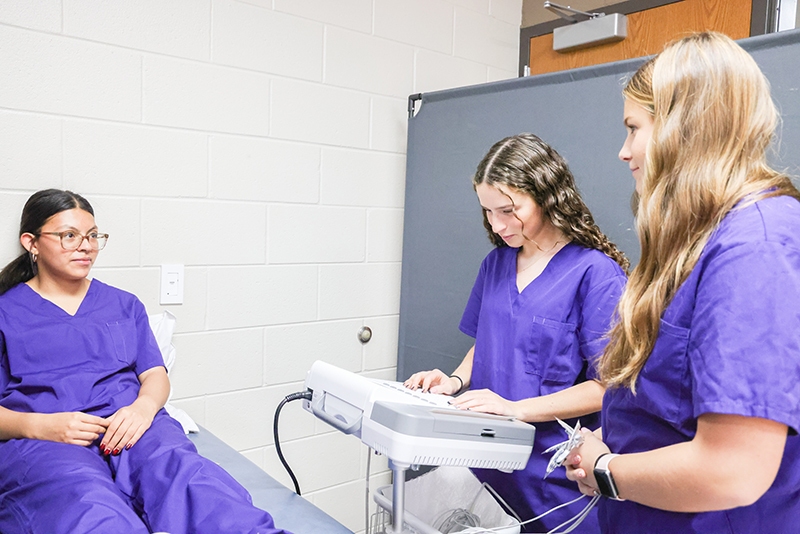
(171,284)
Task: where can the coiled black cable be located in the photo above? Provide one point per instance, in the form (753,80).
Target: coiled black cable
(294,396)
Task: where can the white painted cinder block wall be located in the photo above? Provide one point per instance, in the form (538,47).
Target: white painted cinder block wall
(261,143)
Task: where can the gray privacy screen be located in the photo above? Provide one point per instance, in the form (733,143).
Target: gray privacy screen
(578,112)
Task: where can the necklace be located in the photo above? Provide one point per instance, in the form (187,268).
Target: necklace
(546,254)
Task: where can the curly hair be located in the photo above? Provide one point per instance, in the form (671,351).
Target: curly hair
(526,163)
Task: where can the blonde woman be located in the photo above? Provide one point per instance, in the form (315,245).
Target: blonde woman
(702,369)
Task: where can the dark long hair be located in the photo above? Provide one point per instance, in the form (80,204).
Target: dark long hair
(528,164)
(38,209)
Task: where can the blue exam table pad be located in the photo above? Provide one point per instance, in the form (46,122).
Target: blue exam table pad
(290,511)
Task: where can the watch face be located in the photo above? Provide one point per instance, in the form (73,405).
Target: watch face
(604,484)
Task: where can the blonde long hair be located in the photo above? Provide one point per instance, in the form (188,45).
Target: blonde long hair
(713,120)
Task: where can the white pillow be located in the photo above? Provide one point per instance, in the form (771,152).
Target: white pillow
(163,325)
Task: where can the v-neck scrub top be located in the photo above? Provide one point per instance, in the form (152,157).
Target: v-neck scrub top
(55,362)
(536,342)
(728,343)
(52,362)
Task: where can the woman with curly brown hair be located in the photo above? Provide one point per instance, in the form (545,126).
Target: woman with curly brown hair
(538,311)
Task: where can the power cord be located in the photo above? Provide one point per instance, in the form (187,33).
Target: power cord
(306,395)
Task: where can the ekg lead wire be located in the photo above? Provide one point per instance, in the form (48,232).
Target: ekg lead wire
(577,519)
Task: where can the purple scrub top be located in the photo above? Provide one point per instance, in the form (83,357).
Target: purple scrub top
(51,361)
(540,341)
(728,343)
(108,344)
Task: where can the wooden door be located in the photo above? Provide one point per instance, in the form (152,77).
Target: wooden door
(648,32)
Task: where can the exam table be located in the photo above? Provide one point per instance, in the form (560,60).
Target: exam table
(289,510)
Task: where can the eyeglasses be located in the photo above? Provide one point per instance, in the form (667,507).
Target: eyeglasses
(72,240)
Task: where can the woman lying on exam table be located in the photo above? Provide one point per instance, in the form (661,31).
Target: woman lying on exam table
(703,369)
(540,307)
(86,445)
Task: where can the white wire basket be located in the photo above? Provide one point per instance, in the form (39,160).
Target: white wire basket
(445,497)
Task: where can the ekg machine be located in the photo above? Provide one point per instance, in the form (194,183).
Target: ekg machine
(413,428)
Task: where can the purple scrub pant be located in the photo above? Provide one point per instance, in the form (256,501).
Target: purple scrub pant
(160,485)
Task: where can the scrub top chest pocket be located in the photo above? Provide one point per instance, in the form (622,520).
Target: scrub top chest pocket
(553,353)
(123,339)
(39,350)
(664,385)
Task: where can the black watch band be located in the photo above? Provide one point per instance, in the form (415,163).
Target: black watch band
(461,386)
(604,478)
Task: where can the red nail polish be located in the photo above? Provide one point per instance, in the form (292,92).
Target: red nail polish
(128,447)
(107,452)
(116,452)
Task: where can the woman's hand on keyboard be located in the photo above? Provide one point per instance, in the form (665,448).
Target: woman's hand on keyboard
(433,382)
(487,401)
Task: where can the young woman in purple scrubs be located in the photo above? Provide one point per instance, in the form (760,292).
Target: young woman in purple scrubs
(539,309)
(703,370)
(85,445)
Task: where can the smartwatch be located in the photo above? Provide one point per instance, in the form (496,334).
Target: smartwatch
(605,480)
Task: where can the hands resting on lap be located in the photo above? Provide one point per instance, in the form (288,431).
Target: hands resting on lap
(122,429)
